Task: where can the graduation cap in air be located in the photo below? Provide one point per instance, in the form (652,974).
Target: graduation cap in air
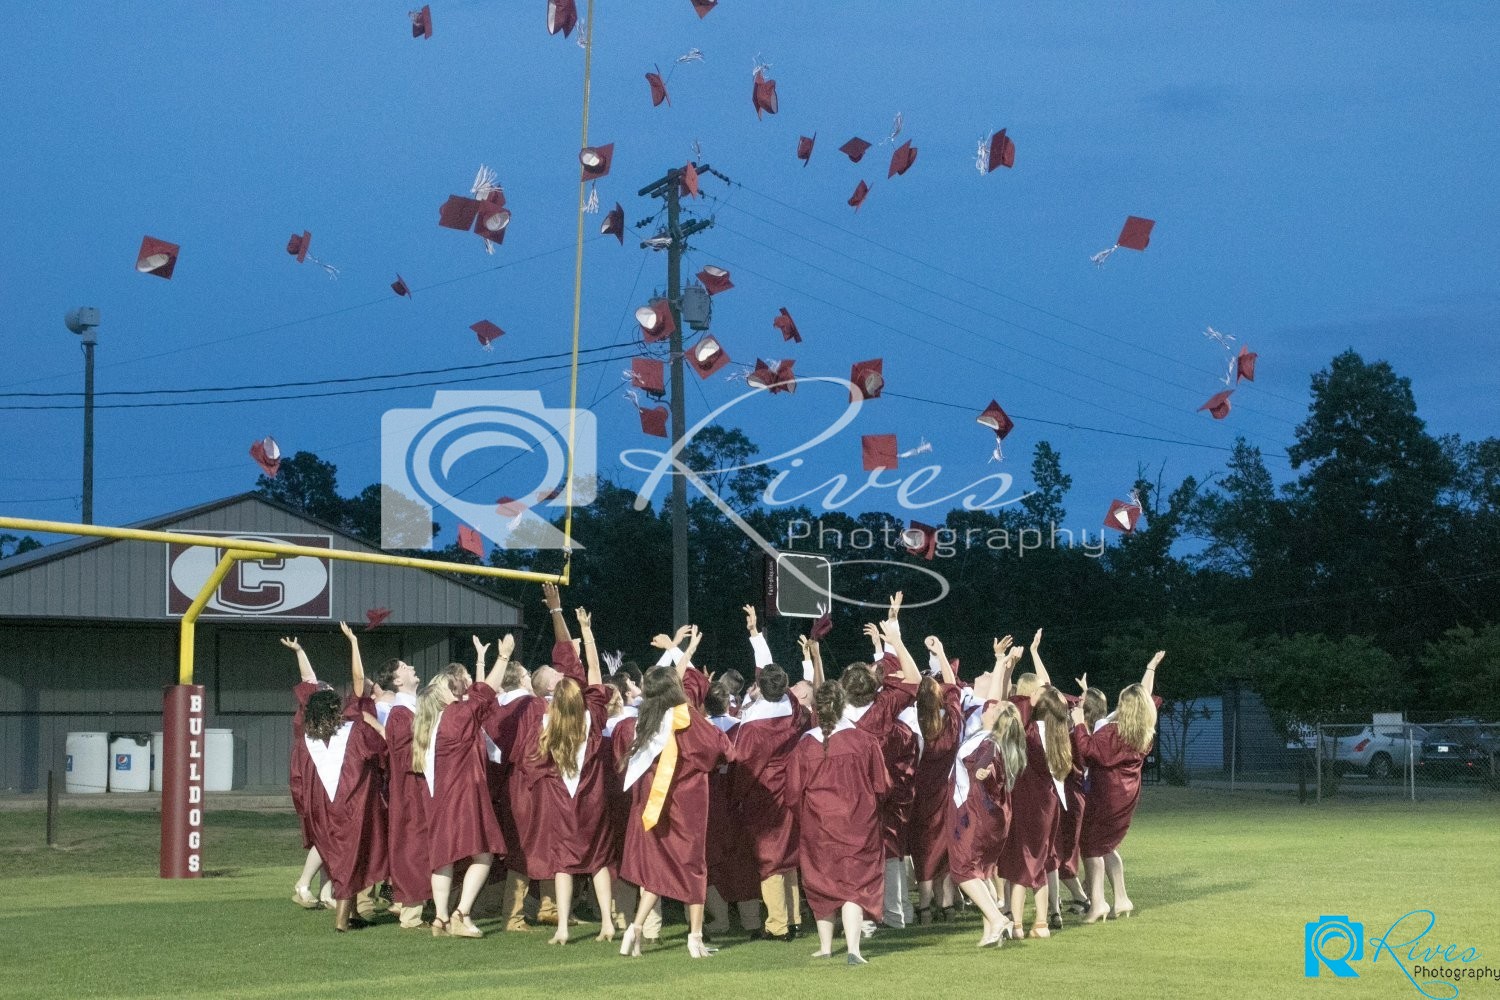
(821,625)
(298,246)
(920,540)
(1244,365)
(702,7)
(510,507)
(707,356)
(787,326)
(421,22)
(805,147)
(562,15)
(879,451)
(1218,404)
(763,94)
(1000,152)
(267,455)
(596,160)
(654,420)
(470,541)
(492,218)
(376,617)
(868,378)
(458,213)
(778,379)
(861,192)
(715,279)
(658,89)
(1134,235)
(997,420)
(854,149)
(902,157)
(655,321)
(687,180)
(614,224)
(157,257)
(1123,515)
(399,287)
(487,333)
(649,376)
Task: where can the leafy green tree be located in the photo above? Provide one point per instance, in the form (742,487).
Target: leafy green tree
(307,483)
(1464,667)
(1311,679)
(13,545)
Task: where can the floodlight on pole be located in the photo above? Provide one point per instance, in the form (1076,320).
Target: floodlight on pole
(84,321)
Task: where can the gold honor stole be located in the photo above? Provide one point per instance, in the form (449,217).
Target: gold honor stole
(682,717)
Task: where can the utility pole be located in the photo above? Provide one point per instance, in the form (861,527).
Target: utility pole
(85,323)
(668,189)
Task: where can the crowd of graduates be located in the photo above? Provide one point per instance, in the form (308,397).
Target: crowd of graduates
(889,796)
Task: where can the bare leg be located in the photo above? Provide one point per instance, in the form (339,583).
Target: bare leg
(854,920)
(442,891)
(978,890)
(1075,889)
(1017,911)
(604,895)
(310,868)
(1115,865)
(564,895)
(644,907)
(825,939)
(695,918)
(1039,922)
(474,879)
(1093,870)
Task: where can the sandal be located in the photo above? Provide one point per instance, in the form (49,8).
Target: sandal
(439,927)
(461,926)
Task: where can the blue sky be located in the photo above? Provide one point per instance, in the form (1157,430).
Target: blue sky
(1321,177)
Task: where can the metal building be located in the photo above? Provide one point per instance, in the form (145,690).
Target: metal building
(89,627)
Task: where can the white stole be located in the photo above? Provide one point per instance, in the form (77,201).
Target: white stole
(960,772)
(642,759)
(760,710)
(328,758)
(853,715)
(816,732)
(429,760)
(912,721)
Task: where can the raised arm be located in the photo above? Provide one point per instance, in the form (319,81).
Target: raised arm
(815,653)
(502,660)
(374,723)
(694,637)
(1148,679)
(304,665)
(480,649)
(1043,679)
(1075,715)
(890,631)
(554,610)
(356,665)
(758,644)
(935,648)
(590,652)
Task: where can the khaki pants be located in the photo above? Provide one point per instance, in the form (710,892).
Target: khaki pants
(512,909)
(368,901)
(782,896)
(411,917)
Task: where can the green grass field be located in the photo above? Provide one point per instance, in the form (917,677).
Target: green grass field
(1223,887)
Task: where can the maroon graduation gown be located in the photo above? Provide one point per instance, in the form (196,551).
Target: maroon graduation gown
(1114,788)
(1034,807)
(406,805)
(562,833)
(731,851)
(928,833)
(981,823)
(301,691)
(671,859)
(837,795)
(349,830)
(898,746)
(757,789)
(460,819)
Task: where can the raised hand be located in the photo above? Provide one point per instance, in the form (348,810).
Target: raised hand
(292,644)
(802,644)
(682,633)
(1083,683)
(694,636)
(550,596)
(480,648)
(1036,641)
(749,610)
(890,631)
(874,633)
(585,620)
(1002,646)
(662,641)
(1156,660)
(348,632)
(507,646)
(894,611)
(933,644)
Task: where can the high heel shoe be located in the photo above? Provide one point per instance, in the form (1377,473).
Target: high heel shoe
(1040,931)
(697,949)
(1054,922)
(1094,916)
(630,944)
(462,927)
(341,912)
(304,898)
(439,927)
(1120,914)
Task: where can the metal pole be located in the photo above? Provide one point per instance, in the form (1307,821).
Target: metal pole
(89,339)
(1320,763)
(51,809)
(1234,739)
(679,403)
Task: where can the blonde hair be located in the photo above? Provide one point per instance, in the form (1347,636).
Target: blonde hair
(1025,685)
(430,704)
(1095,707)
(1136,718)
(565,730)
(1009,737)
(1052,709)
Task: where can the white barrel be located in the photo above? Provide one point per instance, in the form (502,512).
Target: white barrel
(87,767)
(218,760)
(156,762)
(130,762)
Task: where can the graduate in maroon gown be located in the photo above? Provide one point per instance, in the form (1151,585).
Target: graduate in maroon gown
(341,787)
(1063,868)
(1114,755)
(877,695)
(560,784)
(940,720)
(771,726)
(731,869)
(406,816)
(665,755)
(987,766)
(1036,799)
(447,749)
(307,685)
(500,727)
(836,777)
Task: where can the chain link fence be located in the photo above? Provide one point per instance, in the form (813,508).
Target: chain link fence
(1233,743)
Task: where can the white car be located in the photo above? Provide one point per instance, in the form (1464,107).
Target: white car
(1379,750)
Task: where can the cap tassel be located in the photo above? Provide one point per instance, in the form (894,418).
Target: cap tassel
(982,156)
(592,206)
(613,661)
(1226,341)
(997,455)
(896,125)
(920,449)
(1103,255)
(691,55)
